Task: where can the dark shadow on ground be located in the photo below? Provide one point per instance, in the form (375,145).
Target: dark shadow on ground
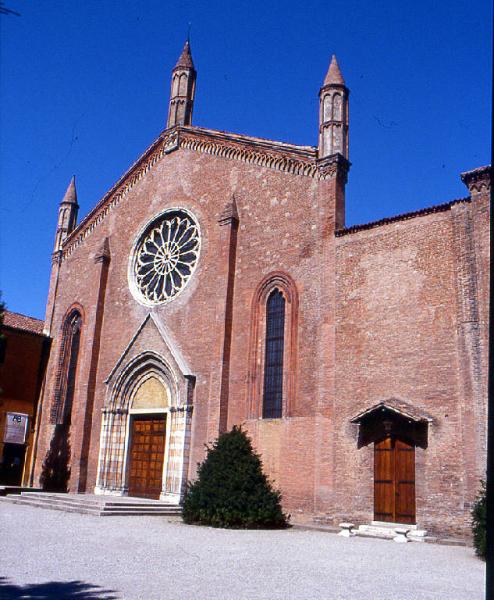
(51,590)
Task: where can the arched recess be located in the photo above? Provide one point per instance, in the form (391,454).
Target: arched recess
(257,344)
(337,106)
(132,397)
(56,468)
(175,85)
(151,395)
(136,372)
(327,107)
(67,366)
(182,86)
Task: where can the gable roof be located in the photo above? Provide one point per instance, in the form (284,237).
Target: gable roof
(280,156)
(395,406)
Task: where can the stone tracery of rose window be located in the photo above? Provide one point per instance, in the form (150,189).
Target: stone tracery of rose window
(165,257)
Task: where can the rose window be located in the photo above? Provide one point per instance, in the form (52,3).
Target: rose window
(166,257)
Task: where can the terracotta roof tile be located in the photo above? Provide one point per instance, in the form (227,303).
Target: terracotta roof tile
(23,322)
(403,217)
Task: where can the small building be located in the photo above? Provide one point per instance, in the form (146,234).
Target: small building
(24,353)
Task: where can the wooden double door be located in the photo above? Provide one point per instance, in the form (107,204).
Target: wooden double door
(146,454)
(394,481)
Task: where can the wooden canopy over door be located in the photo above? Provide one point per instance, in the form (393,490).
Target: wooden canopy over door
(147,452)
(394,481)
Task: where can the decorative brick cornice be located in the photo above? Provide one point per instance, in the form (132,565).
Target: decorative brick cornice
(332,166)
(297,160)
(478,180)
(167,142)
(287,158)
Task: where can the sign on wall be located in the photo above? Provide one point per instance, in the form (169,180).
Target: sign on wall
(15,428)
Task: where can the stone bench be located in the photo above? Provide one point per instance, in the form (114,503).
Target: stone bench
(346,530)
(401,535)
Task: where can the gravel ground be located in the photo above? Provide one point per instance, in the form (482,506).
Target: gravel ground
(52,554)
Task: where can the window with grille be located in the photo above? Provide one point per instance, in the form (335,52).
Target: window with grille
(273,363)
(74,354)
(64,392)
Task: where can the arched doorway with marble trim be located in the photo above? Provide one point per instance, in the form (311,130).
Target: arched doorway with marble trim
(147,388)
(148,433)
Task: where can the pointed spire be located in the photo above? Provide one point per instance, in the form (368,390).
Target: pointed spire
(182,90)
(67,215)
(333,113)
(71,193)
(334,76)
(185,59)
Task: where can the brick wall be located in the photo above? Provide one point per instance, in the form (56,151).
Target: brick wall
(407,327)
(380,315)
(265,199)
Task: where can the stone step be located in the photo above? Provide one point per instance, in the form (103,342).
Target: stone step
(89,506)
(101,503)
(168,507)
(16,489)
(44,504)
(60,499)
(137,507)
(93,499)
(143,513)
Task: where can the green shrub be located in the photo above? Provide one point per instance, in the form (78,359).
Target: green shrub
(479,522)
(231,489)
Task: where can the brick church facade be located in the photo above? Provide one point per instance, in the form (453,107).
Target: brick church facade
(216,284)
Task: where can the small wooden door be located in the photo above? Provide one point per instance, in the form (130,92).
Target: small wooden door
(147,451)
(394,481)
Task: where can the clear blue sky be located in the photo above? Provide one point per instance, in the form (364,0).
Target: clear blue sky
(84,90)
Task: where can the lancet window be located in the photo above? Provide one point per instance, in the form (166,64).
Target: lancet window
(67,369)
(273,361)
(273,348)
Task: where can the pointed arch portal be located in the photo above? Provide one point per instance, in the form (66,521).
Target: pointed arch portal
(145,430)
(147,438)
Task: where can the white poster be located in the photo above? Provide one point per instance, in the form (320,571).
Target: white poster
(15,428)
